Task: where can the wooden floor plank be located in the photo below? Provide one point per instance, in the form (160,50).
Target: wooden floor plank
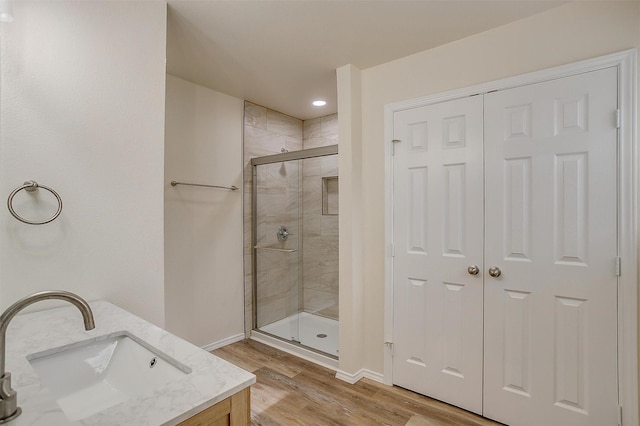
(230,353)
(292,391)
(264,357)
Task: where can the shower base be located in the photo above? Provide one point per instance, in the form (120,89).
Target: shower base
(322,350)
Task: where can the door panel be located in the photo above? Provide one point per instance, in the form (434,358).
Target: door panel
(438,225)
(547,224)
(551,316)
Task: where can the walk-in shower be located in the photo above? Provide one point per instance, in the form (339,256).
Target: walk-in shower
(295,247)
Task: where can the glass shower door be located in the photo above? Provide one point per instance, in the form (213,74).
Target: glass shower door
(295,255)
(277,232)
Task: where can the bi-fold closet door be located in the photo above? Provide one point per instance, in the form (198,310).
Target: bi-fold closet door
(505,240)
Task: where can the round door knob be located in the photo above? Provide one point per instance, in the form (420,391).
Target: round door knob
(495,272)
(473,270)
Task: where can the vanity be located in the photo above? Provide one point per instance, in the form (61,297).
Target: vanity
(232,411)
(126,371)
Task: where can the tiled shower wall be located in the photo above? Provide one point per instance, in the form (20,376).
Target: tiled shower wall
(319,230)
(315,263)
(267,132)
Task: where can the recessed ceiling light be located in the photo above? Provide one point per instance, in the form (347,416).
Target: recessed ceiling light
(319,103)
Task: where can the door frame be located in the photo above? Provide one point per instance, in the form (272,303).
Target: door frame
(626,63)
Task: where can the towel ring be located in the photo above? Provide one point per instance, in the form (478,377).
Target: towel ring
(30,186)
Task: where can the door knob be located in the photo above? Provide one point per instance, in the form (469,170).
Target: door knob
(495,272)
(473,270)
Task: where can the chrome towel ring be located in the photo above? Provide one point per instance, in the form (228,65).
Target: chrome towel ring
(30,186)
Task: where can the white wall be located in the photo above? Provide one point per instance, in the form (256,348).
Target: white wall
(82,111)
(203,226)
(569,33)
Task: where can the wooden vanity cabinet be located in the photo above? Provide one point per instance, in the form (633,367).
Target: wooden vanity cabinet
(233,411)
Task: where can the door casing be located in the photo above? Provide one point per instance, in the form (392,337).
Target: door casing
(626,63)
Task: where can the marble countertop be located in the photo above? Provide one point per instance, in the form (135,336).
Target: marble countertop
(212,379)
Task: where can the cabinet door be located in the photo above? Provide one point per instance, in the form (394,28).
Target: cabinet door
(438,225)
(550,317)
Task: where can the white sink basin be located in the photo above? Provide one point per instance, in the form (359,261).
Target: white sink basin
(89,377)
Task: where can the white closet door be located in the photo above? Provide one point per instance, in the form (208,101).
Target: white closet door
(438,223)
(550,317)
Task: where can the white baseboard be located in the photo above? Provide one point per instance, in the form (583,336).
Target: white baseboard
(362,373)
(224,342)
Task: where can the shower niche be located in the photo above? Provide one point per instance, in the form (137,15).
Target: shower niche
(330,195)
(294,210)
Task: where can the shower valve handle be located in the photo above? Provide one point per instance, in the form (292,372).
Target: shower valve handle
(282,233)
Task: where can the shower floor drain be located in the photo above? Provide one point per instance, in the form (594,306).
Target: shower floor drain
(321,335)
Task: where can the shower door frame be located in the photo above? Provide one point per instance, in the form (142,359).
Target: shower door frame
(302,154)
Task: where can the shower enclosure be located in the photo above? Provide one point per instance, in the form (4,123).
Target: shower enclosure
(295,247)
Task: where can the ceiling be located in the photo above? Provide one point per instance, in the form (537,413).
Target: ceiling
(283,54)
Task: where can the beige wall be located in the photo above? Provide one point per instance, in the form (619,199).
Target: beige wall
(351,219)
(569,33)
(203,226)
(82,111)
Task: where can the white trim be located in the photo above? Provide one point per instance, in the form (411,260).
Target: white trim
(361,374)
(628,207)
(388,239)
(224,342)
(299,351)
(628,238)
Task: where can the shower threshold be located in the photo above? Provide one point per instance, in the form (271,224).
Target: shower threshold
(318,338)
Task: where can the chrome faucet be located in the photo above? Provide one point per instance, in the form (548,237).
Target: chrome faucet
(8,397)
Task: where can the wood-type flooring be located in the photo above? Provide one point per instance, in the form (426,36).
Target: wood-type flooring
(292,391)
